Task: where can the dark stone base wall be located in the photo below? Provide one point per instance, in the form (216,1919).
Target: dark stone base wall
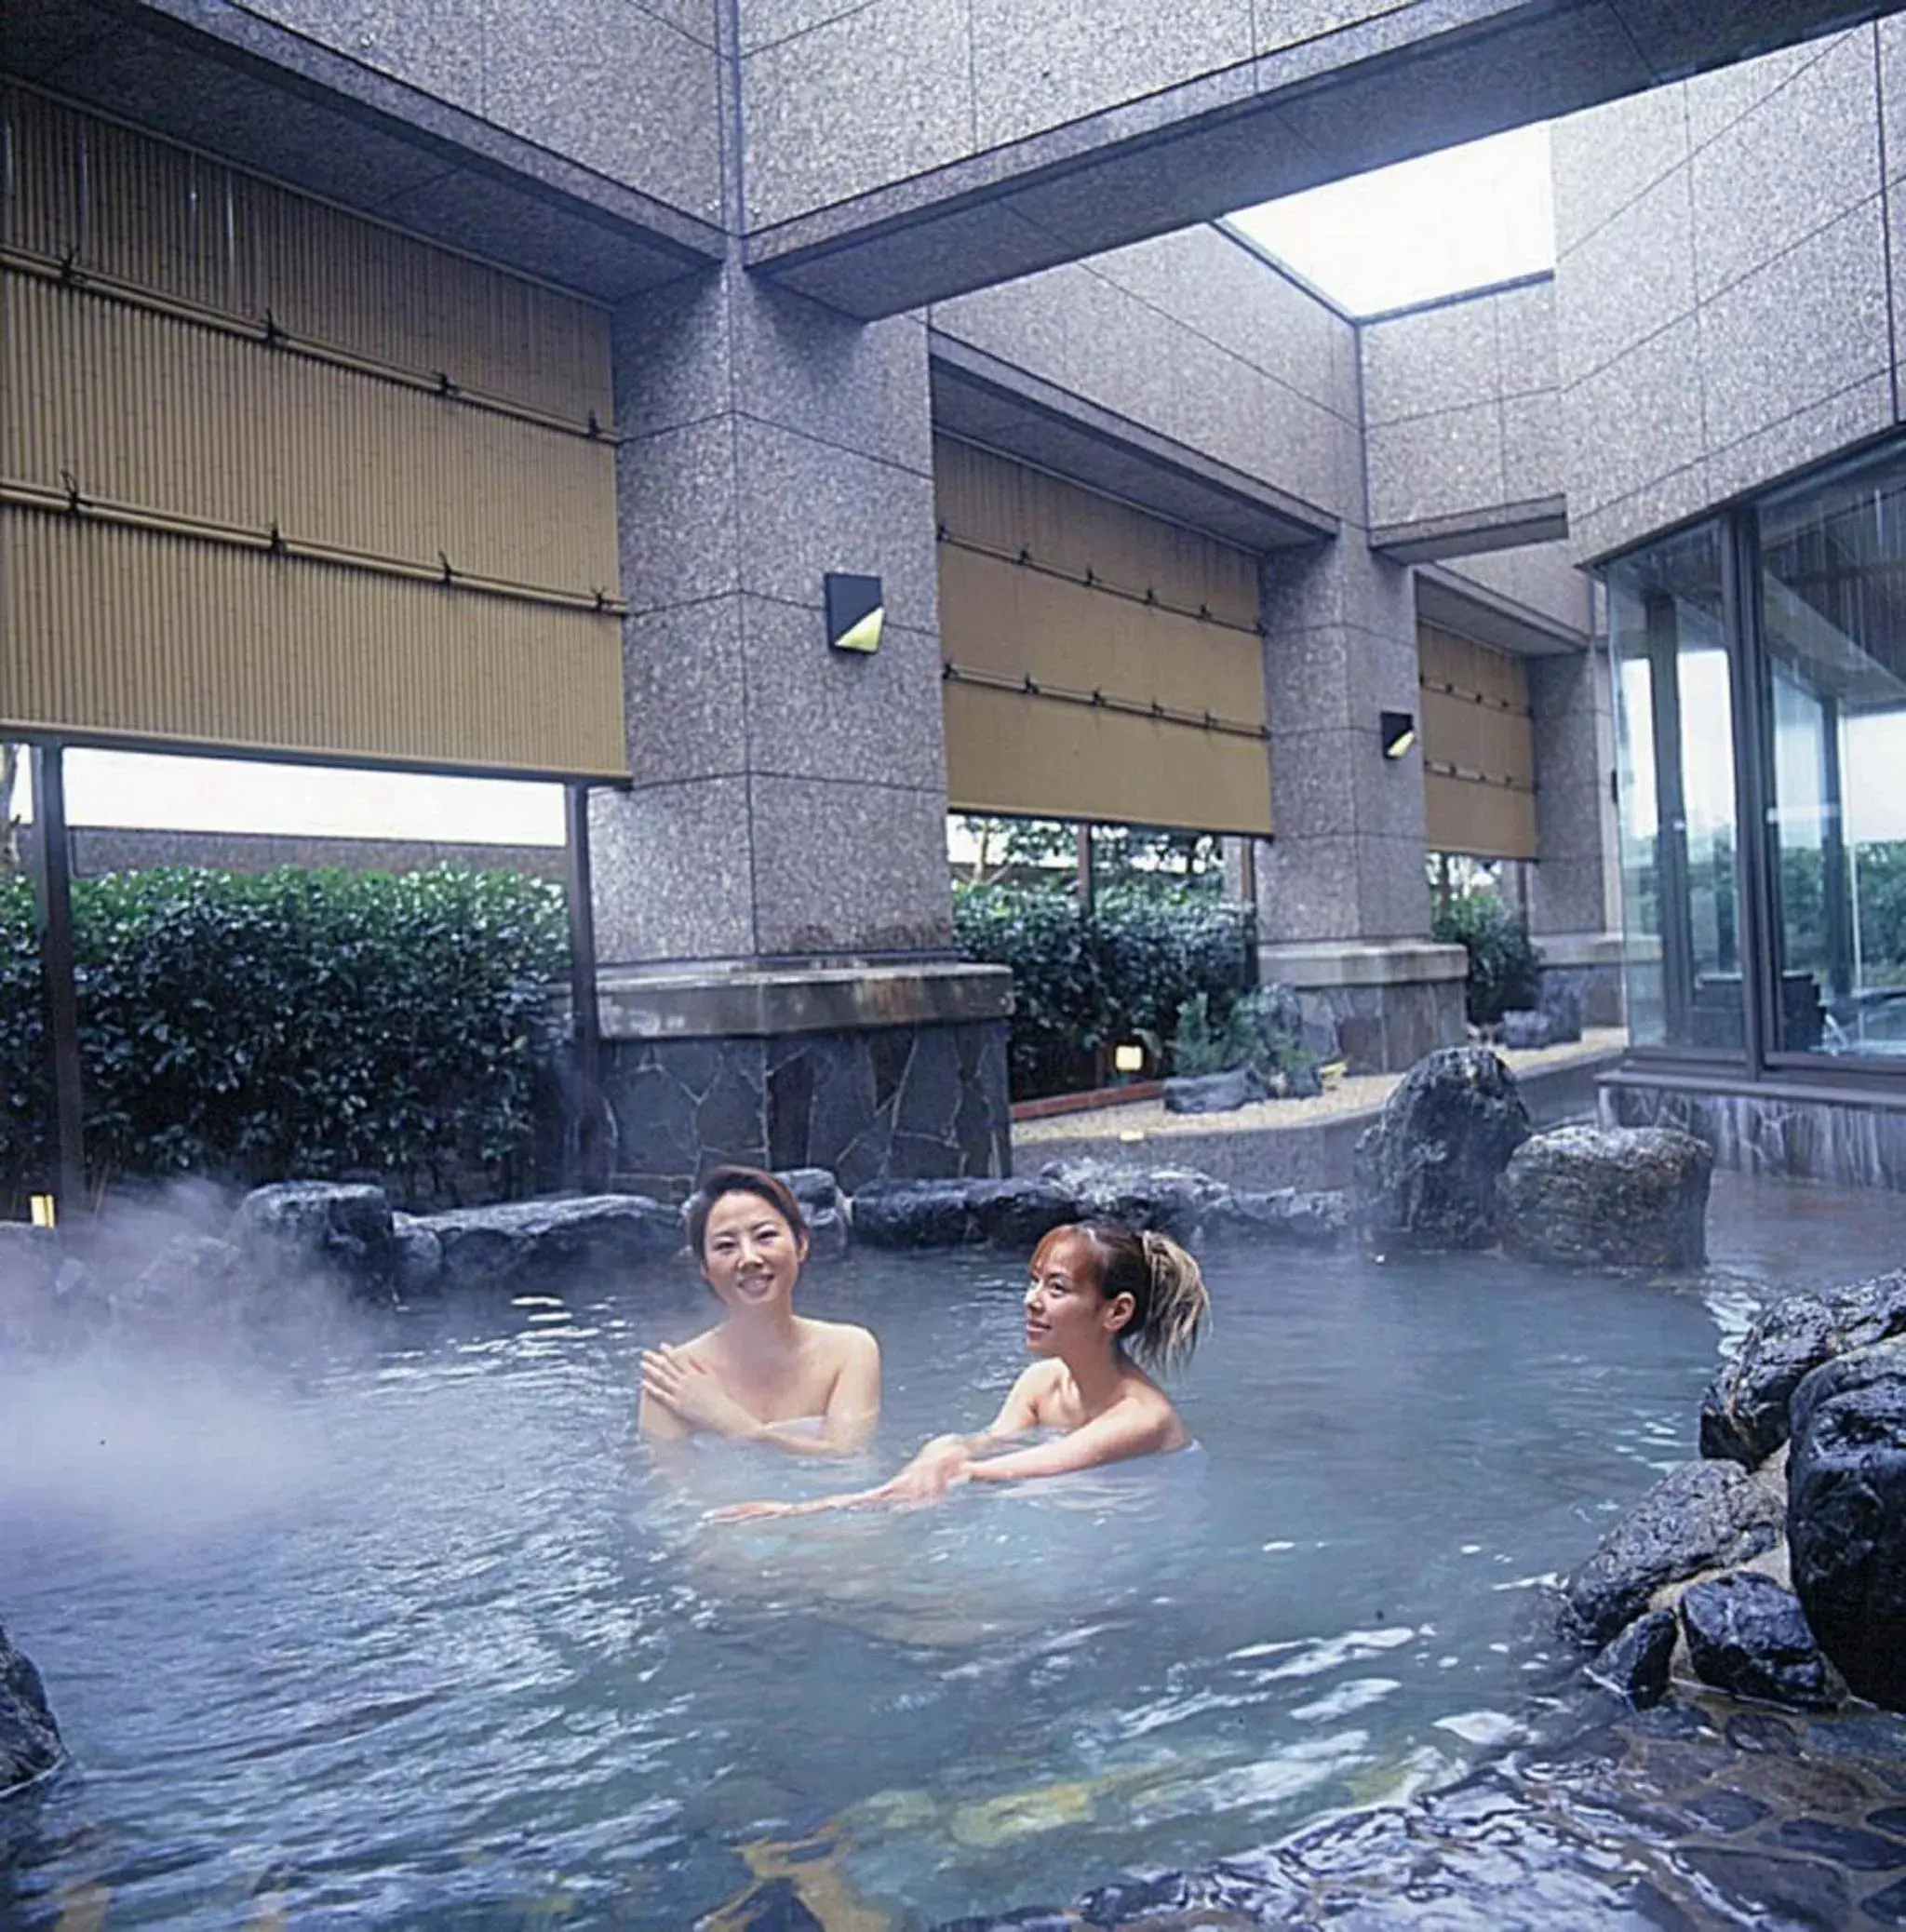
(1386,1028)
(1770,1133)
(1598,988)
(884,1103)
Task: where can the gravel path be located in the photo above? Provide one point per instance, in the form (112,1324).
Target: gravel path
(1354,1094)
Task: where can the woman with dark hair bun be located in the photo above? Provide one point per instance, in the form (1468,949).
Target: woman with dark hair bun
(763,1374)
(1103,1305)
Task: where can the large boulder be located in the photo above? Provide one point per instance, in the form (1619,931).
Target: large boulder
(1607,1196)
(302,1227)
(1214,1093)
(1747,1636)
(1701,1516)
(1744,1412)
(29,1738)
(1426,1171)
(1846,1515)
(549,1241)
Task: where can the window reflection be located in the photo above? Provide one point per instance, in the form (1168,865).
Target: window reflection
(1834,617)
(1674,749)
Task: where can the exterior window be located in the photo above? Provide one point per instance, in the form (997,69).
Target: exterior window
(1676,756)
(1832,561)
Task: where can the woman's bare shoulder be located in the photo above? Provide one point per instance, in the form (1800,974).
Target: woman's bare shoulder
(842,1340)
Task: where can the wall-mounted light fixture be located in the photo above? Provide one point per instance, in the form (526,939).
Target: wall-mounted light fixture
(1398,734)
(1129,1057)
(45,1213)
(855,611)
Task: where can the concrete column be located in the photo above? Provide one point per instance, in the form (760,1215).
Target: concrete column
(771,894)
(1574,884)
(1343,898)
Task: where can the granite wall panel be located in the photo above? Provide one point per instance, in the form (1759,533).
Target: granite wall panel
(1728,302)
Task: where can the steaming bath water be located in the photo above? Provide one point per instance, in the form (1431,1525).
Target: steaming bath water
(406,1631)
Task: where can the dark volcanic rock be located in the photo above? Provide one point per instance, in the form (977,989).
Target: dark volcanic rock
(29,1738)
(1701,1516)
(1747,1635)
(913,1215)
(419,1268)
(317,1227)
(1846,1515)
(1017,1214)
(1635,1664)
(1214,1093)
(543,1240)
(191,1274)
(1744,1412)
(1427,1171)
(822,1207)
(1320,1218)
(1607,1196)
(1172,1199)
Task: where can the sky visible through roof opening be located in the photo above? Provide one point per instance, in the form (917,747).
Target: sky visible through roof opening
(1461,219)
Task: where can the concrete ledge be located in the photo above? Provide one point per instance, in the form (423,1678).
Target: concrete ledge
(1580,949)
(1355,962)
(762,1002)
(1542,520)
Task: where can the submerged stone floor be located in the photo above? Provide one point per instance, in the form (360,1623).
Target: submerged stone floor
(1697,1815)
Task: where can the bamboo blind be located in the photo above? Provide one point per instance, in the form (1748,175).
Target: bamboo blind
(274,476)
(1479,770)
(1101,664)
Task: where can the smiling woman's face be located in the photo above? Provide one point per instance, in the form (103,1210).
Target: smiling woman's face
(749,1254)
(1063,1307)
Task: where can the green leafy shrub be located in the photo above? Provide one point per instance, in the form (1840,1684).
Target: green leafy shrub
(251,1028)
(1086,982)
(1264,1029)
(1505,967)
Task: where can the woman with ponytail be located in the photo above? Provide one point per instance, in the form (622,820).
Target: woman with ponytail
(1104,1307)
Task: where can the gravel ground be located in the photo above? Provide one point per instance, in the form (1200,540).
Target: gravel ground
(1355,1094)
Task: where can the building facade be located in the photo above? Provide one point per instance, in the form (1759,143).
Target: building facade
(1159,534)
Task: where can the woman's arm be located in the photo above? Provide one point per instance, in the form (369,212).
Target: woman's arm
(934,1470)
(1125,1431)
(853,1405)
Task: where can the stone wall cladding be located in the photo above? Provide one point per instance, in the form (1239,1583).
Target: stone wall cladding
(889,1102)
(1597,989)
(1773,1132)
(1382,1029)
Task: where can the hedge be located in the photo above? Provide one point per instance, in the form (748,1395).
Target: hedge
(1505,966)
(250,1027)
(1083,982)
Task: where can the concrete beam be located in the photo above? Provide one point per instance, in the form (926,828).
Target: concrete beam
(250,90)
(1078,162)
(984,400)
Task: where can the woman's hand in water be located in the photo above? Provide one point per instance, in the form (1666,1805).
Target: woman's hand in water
(940,1466)
(674,1378)
(760,1512)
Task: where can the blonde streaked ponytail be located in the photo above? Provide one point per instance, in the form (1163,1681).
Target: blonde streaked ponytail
(1170,1301)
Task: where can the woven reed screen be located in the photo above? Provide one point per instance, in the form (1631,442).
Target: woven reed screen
(1479,766)
(1101,664)
(274,478)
